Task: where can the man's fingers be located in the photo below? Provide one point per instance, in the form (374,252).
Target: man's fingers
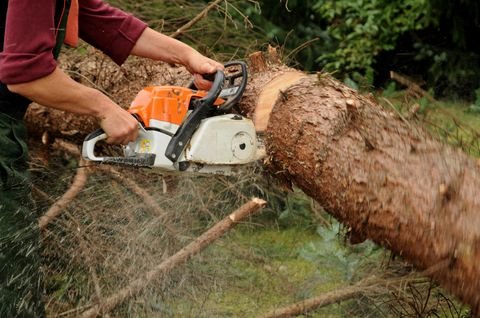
(201,83)
(123,137)
(211,67)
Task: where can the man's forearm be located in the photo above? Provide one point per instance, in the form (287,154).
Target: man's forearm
(160,47)
(157,46)
(58,90)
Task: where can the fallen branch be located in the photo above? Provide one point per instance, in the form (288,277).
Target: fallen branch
(207,238)
(315,303)
(414,87)
(77,186)
(364,287)
(199,16)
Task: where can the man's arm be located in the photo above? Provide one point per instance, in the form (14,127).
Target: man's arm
(58,90)
(119,34)
(157,46)
(28,68)
(115,32)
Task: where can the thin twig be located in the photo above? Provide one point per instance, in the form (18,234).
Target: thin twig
(199,17)
(56,209)
(411,85)
(146,198)
(195,247)
(300,47)
(72,311)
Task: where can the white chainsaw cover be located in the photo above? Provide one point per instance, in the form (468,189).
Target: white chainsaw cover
(151,141)
(223,140)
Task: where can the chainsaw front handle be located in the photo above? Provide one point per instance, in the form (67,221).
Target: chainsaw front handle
(204,107)
(233,87)
(233,91)
(215,90)
(88,148)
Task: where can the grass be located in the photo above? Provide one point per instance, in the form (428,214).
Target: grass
(256,270)
(455,124)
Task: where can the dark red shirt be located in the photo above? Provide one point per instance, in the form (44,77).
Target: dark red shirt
(30,36)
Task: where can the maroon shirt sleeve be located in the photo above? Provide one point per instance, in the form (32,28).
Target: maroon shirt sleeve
(29,41)
(30,34)
(109,29)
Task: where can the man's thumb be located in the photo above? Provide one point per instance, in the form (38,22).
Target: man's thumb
(208,68)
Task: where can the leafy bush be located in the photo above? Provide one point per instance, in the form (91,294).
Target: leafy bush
(363,29)
(329,251)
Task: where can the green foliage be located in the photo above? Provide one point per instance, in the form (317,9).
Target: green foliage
(330,251)
(224,33)
(475,107)
(295,26)
(360,41)
(363,29)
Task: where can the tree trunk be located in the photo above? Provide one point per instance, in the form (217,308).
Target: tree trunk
(385,178)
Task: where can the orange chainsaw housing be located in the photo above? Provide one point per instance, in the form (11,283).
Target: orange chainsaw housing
(165,103)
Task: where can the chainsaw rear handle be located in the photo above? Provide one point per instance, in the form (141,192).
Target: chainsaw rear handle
(133,159)
(88,147)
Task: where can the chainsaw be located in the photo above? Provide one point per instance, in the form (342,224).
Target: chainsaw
(186,129)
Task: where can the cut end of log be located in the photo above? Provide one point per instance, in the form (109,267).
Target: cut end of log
(259,202)
(269,96)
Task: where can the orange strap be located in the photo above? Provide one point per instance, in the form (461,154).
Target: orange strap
(71,36)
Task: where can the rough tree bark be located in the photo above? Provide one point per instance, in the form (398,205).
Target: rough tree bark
(385,178)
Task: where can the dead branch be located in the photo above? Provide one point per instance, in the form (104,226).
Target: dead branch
(414,87)
(77,186)
(311,304)
(199,17)
(366,286)
(195,247)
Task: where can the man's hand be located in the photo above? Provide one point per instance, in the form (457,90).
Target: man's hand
(119,125)
(198,65)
